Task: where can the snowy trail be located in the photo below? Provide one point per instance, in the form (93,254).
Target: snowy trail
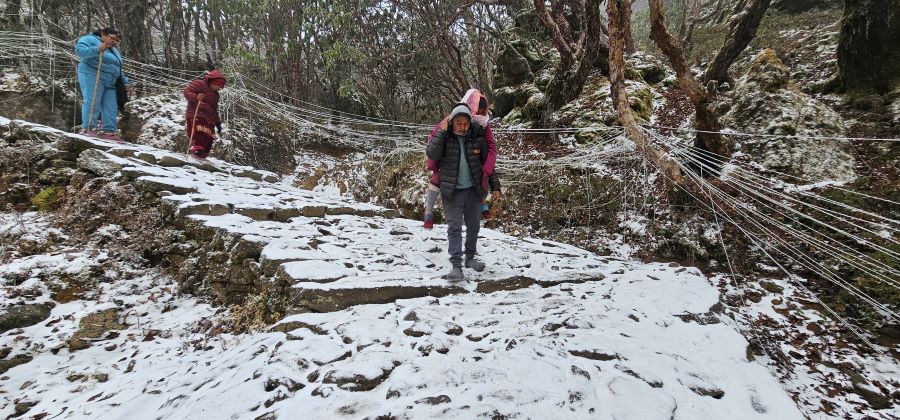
(580,336)
(611,350)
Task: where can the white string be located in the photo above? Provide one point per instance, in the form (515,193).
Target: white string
(759,244)
(728,132)
(804,259)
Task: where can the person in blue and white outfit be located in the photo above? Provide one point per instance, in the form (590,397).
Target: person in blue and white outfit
(102,74)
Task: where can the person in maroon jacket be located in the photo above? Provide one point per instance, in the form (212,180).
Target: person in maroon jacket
(202,114)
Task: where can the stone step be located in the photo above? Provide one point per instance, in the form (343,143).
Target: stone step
(246,235)
(335,295)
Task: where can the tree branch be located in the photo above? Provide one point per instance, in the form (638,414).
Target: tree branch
(565,50)
(674,51)
(707,121)
(742,31)
(620,95)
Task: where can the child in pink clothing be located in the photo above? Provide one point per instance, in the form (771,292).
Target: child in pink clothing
(478,105)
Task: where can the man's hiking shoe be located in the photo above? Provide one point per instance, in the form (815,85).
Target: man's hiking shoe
(474,264)
(429,223)
(89,133)
(456,274)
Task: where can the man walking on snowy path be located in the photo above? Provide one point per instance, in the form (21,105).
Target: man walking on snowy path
(461,150)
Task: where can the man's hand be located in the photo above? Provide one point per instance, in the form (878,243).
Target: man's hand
(200,97)
(103,46)
(496,195)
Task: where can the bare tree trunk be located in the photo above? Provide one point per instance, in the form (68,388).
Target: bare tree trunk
(868,61)
(689,18)
(475,45)
(566,54)
(588,53)
(626,29)
(577,59)
(217,40)
(132,19)
(198,34)
(742,31)
(186,36)
(708,126)
(169,38)
(685,12)
(617,18)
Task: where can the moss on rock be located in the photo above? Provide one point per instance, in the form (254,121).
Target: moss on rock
(48,199)
(767,71)
(768,102)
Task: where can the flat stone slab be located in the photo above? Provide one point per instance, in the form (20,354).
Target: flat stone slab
(304,299)
(100,163)
(20,316)
(157,184)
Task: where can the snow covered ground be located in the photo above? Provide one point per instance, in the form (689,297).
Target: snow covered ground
(548,331)
(620,348)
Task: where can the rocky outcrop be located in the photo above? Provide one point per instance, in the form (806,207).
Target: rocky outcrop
(93,327)
(794,127)
(22,316)
(30,99)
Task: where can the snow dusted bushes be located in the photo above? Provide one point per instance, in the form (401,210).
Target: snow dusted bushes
(256,313)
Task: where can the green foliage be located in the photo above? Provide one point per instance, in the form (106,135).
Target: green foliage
(705,42)
(247,58)
(337,52)
(48,199)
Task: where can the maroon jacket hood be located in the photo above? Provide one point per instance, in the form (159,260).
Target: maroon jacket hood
(215,74)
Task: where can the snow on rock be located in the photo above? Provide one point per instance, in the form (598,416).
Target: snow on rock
(830,376)
(160,119)
(767,97)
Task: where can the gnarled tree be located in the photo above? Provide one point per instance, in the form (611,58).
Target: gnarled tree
(579,46)
(741,31)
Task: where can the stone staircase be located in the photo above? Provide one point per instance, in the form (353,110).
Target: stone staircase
(322,253)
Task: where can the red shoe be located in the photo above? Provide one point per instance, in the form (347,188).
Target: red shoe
(111,136)
(429,223)
(197,152)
